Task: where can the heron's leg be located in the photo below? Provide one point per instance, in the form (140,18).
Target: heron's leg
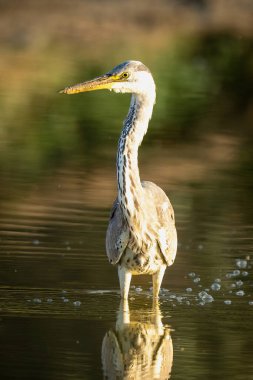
(157,280)
(123,317)
(124,280)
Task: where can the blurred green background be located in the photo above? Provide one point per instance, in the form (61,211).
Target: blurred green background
(200,53)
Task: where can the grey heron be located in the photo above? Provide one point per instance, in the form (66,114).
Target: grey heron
(141,237)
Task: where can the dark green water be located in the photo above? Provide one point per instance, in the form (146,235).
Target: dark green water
(59,296)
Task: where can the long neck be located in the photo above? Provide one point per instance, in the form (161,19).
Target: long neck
(130,191)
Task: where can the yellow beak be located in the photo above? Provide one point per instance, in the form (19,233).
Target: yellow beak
(100,83)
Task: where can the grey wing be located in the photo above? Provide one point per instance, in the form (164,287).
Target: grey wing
(167,236)
(163,213)
(117,235)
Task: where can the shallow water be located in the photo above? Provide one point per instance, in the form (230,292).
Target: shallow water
(59,296)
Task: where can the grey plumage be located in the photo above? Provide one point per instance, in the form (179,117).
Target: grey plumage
(141,237)
(118,232)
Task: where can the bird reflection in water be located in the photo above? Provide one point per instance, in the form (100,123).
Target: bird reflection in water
(140,347)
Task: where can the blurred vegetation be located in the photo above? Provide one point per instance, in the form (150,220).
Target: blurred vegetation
(202,62)
(204,83)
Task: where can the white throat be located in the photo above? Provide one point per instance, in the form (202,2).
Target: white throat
(135,126)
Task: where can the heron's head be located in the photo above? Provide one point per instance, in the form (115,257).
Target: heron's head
(127,77)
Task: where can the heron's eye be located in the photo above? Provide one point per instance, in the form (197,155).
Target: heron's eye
(124,75)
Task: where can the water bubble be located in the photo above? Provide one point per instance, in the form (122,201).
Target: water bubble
(215,286)
(196,280)
(64,291)
(251,303)
(239,283)
(36,242)
(217,280)
(77,303)
(233,286)
(192,274)
(65,300)
(235,273)
(187,302)
(37,300)
(245,273)
(227,302)
(49,300)
(242,264)
(189,290)
(205,297)
(240,293)
(139,289)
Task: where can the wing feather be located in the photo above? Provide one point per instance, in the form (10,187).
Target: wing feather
(117,235)
(161,210)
